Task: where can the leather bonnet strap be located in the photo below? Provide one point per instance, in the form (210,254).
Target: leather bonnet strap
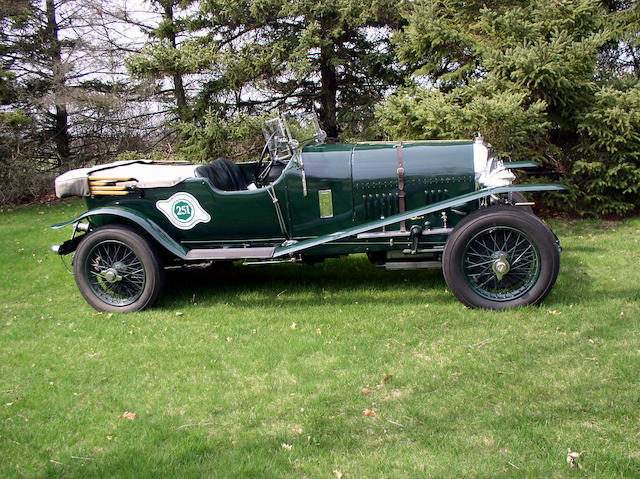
(401,193)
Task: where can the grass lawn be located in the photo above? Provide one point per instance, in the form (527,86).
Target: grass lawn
(326,371)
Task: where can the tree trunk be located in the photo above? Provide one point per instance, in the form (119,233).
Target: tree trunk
(178,85)
(60,131)
(328,92)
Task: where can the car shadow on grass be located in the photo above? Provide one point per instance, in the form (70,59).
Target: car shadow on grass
(338,282)
(330,282)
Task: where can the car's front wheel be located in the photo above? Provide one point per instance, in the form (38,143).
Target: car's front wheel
(501,257)
(117,269)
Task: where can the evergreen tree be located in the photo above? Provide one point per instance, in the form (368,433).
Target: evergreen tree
(553,80)
(164,56)
(248,56)
(10,15)
(334,53)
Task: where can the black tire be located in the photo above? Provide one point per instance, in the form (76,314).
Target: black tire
(497,238)
(116,269)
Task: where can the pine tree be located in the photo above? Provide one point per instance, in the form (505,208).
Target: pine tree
(250,56)
(334,53)
(164,56)
(535,77)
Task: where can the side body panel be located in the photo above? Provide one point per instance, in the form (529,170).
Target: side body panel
(341,191)
(238,216)
(327,170)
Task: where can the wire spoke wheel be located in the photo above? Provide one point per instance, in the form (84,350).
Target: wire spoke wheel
(501,263)
(501,257)
(115,273)
(117,269)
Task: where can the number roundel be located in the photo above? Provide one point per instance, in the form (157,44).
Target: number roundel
(183,211)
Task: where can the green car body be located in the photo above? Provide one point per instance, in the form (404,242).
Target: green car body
(397,202)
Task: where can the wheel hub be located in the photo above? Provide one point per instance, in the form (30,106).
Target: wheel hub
(111,275)
(501,266)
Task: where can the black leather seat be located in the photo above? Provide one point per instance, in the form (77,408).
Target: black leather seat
(223,174)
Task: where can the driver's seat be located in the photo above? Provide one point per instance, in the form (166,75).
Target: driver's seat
(224,175)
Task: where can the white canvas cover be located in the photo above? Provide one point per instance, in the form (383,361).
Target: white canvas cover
(146,174)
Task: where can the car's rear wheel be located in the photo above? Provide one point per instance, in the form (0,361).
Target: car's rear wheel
(501,257)
(117,269)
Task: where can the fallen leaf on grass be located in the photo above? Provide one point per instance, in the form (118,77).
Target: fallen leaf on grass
(572,457)
(229,339)
(386,378)
(128,415)
(178,313)
(286,446)
(337,473)
(366,391)
(369,413)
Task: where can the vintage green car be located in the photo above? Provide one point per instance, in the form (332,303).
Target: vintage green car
(407,205)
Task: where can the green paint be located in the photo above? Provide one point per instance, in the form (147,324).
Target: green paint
(351,188)
(183,210)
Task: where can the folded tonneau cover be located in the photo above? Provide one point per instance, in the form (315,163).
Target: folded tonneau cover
(141,173)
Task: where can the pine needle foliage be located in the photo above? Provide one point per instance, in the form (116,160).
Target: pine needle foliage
(548,80)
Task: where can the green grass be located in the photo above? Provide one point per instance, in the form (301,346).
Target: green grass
(471,393)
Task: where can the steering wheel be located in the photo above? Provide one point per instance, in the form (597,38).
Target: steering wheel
(261,174)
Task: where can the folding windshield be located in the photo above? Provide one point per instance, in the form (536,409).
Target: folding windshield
(290,132)
(277,140)
(303,128)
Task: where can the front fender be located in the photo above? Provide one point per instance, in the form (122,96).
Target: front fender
(131,215)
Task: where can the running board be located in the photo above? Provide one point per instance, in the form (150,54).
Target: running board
(230,253)
(404,265)
(399,233)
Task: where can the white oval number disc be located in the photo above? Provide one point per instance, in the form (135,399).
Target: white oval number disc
(183,210)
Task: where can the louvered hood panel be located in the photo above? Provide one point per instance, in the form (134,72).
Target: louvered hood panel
(434,171)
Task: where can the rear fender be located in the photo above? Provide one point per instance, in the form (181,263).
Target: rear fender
(130,216)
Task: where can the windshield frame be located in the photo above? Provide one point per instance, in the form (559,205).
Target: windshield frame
(288,133)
